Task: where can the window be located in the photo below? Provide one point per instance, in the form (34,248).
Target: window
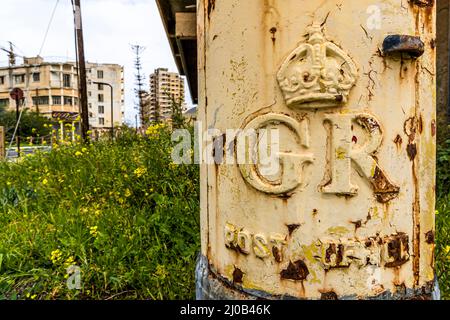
(90,105)
(101,109)
(36,77)
(2,80)
(100,86)
(4,103)
(101,98)
(90,94)
(56,100)
(100,74)
(75,101)
(39,101)
(66,80)
(101,121)
(19,78)
(67,100)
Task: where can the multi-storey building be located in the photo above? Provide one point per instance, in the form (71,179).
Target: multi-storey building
(165,89)
(51,88)
(101,112)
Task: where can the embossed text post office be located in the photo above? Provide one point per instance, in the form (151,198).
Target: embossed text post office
(350,87)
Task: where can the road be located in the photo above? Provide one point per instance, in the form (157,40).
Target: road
(12,152)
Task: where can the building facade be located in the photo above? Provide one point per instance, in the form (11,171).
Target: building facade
(165,89)
(51,89)
(102,114)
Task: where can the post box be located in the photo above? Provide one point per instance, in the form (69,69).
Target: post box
(344,93)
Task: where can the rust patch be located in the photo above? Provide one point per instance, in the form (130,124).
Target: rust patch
(420,124)
(410,127)
(277,254)
(329,295)
(422,3)
(238,275)
(211,7)
(292,228)
(358,224)
(384,190)
(397,249)
(411,149)
(315,211)
(297,271)
(354,139)
(337,250)
(433,127)
(369,123)
(273,31)
(433,44)
(398,141)
(429,237)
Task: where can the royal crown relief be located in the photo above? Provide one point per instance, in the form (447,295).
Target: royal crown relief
(318,75)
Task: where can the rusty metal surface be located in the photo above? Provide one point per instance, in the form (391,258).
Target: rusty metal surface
(350,214)
(210,286)
(399,44)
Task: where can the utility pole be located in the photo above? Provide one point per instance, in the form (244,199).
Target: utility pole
(17,95)
(11,55)
(139,81)
(136,118)
(81,70)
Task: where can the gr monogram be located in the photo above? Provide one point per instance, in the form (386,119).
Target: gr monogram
(345,156)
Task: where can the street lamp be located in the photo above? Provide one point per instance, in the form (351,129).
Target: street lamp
(112,105)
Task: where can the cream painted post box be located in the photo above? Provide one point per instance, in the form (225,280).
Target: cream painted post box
(346,92)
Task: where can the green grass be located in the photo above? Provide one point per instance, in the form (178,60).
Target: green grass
(120,211)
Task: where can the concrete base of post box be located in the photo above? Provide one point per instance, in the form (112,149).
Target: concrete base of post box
(210,286)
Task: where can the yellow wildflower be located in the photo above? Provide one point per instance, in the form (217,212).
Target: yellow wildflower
(127,193)
(161,272)
(78,154)
(69,261)
(44,182)
(93,231)
(139,172)
(55,256)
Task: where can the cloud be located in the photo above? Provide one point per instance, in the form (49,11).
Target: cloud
(110,27)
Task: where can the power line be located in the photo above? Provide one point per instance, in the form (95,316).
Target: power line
(48,27)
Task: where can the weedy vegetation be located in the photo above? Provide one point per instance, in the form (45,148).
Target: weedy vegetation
(120,212)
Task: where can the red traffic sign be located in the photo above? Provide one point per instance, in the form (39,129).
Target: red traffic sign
(16,94)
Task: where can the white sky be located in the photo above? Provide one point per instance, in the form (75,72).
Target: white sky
(110,27)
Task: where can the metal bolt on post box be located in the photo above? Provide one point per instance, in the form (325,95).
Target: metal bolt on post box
(349,87)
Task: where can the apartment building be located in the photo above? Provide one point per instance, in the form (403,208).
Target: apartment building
(165,88)
(102,114)
(51,88)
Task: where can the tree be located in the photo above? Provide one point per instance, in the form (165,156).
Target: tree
(32,124)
